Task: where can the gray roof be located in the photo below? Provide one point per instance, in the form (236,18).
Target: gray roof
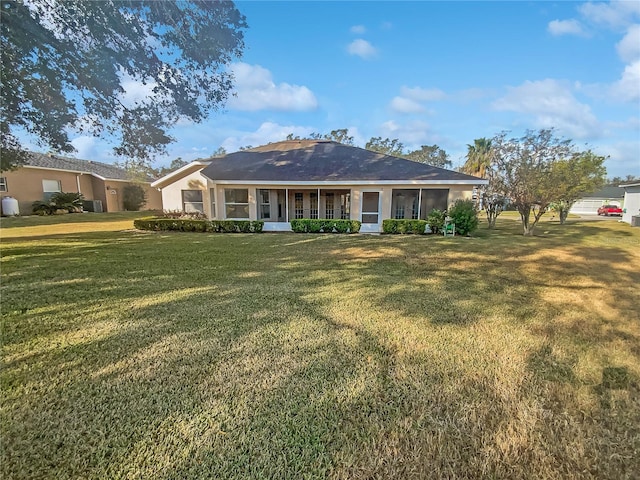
(610,191)
(49,160)
(321,161)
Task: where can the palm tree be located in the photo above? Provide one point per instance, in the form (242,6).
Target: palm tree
(478,157)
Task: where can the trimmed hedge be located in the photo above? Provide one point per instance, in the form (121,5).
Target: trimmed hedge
(157,224)
(394,226)
(325,225)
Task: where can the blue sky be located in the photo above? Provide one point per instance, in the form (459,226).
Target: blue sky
(429,72)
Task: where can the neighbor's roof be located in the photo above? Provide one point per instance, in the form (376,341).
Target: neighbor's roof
(324,161)
(56,162)
(610,191)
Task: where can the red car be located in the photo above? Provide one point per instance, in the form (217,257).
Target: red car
(607,210)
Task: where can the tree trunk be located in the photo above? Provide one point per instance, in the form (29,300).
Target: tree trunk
(563,213)
(525,213)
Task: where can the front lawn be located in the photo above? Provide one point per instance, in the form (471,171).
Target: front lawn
(132,354)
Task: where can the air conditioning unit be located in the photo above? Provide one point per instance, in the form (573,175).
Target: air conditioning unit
(635,221)
(92,206)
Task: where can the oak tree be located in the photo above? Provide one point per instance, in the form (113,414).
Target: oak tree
(127,70)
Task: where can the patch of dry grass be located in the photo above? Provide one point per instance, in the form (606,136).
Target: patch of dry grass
(130,355)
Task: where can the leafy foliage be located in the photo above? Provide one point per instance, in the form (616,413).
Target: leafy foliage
(198,225)
(385,146)
(431,155)
(392,226)
(314,225)
(478,158)
(435,220)
(70,202)
(65,64)
(523,171)
(133,197)
(464,215)
(582,173)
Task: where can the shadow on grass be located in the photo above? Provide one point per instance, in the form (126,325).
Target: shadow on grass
(278,357)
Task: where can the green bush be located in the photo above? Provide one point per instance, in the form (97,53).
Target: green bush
(61,202)
(416,227)
(324,225)
(435,219)
(197,225)
(464,215)
(133,197)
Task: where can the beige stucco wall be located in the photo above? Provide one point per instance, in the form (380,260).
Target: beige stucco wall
(25,185)
(172,193)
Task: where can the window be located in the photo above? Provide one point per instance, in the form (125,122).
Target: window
(192,201)
(213,202)
(50,187)
(328,208)
(313,197)
(404,203)
(236,202)
(3,184)
(298,205)
(264,208)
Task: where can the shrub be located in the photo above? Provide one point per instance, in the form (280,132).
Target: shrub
(59,203)
(133,197)
(416,227)
(435,219)
(197,225)
(324,225)
(183,214)
(464,215)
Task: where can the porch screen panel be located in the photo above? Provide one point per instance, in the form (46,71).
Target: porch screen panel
(370,207)
(433,198)
(236,202)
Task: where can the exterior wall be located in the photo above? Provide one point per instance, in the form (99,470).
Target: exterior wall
(25,185)
(631,203)
(172,193)
(590,205)
(172,197)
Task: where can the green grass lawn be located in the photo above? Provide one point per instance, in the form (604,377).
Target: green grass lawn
(132,354)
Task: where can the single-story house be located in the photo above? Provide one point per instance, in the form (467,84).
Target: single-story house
(631,201)
(295,179)
(591,202)
(45,174)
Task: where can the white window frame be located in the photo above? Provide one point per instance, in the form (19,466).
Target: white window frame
(47,194)
(3,184)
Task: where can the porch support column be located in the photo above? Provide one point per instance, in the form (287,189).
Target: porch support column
(319,203)
(286,205)
(419,202)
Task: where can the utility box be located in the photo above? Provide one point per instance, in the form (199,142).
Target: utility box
(635,221)
(92,206)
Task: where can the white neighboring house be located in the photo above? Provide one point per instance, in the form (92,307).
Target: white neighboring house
(589,204)
(319,179)
(631,201)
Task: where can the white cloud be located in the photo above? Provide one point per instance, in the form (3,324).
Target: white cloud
(615,14)
(362,48)
(411,134)
(256,90)
(628,87)
(552,104)
(565,27)
(86,147)
(629,47)
(406,105)
(358,29)
(423,94)
(267,132)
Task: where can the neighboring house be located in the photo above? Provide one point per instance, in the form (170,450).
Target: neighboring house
(46,174)
(294,179)
(631,201)
(589,204)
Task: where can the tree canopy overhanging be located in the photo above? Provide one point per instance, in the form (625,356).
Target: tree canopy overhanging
(127,69)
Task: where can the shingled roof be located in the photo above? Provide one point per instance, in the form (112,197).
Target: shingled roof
(57,162)
(324,161)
